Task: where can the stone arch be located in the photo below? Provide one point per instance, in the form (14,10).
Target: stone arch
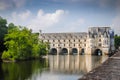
(74,51)
(53,51)
(82,51)
(97,52)
(64,51)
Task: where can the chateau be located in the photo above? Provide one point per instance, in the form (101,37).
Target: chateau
(98,41)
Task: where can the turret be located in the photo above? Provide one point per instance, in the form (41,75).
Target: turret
(40,34)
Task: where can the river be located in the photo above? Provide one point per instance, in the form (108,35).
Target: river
(55,67)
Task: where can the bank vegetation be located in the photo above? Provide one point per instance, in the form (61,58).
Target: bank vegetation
(20,43)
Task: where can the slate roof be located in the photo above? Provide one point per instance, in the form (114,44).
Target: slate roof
(53,36)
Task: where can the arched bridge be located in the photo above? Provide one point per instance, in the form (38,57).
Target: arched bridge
(72,51)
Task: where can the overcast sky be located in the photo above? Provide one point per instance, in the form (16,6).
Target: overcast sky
(62,15)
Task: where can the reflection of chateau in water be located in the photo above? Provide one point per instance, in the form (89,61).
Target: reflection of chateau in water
(96,40)
(74,64)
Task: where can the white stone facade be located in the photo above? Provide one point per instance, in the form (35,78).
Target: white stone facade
(97,39)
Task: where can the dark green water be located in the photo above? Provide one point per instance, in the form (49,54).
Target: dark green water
(53,68)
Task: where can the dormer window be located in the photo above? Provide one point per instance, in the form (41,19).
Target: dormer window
(99,35)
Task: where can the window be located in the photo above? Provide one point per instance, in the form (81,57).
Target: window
(74,44)
(69,44)
(69,40)
(100,45)
(107,42)
(58,40)
(74,40)
(84,44)
(99,40)
(53,40)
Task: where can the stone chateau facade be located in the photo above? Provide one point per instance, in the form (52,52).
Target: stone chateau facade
(98,40)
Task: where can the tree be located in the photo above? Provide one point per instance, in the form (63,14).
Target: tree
(117,41)
(22,44)
(3,31)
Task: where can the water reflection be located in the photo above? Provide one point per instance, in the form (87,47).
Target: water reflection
(59,67)
(74,64)
(20,70)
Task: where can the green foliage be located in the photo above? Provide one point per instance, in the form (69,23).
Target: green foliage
(6,55)
(3,31)
(44,47)
(22,44)
(117,41)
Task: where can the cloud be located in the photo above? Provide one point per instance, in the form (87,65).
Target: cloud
(45,20)
(9,4)
(25,15)
(74,26)
(21,17)
(38,21)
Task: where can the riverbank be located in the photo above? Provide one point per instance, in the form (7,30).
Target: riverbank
(28,59)
(109,70)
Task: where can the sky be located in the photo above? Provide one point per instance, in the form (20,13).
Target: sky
(62,15)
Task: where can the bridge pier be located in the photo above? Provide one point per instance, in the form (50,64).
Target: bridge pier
(79,51)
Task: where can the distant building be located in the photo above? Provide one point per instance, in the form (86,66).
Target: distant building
(98,40)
